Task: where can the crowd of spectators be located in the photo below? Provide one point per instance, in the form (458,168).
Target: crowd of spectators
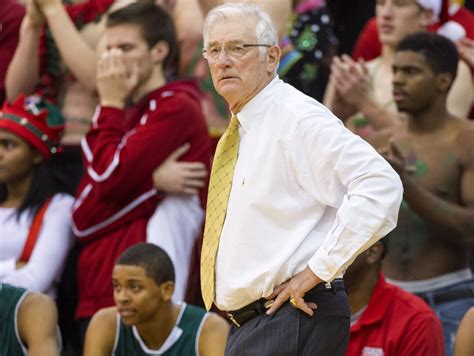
(108,126)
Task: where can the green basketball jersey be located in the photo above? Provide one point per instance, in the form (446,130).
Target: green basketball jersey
(10,300)
(182,341)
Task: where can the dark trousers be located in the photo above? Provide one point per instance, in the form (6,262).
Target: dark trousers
(291,332)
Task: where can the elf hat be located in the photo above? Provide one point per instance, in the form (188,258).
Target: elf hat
(36,121)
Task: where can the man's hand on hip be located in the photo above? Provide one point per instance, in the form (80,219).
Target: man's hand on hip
(294,290)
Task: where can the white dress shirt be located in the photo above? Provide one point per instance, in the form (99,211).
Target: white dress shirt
(306,192)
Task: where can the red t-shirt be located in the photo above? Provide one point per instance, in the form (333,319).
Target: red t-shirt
(368,45)
(396,322)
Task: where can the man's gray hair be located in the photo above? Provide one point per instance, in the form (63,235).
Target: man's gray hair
(265,31)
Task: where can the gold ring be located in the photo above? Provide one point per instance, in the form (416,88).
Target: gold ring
(293,302)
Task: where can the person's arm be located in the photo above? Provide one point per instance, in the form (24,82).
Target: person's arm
(77,54)
(340,170)
(50,252)
(112,151)
(352,82)
(213,337)
(466,51)
(173,176)
(37,320)
(335,102)
(23,71)
(461,94)
(100,335)
(430,207)
(189,21)
(464,345)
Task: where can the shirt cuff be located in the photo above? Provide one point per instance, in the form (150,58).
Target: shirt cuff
(109,116)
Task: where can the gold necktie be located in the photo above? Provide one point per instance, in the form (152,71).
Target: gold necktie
(219,189)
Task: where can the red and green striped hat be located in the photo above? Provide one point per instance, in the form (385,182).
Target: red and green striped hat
(36,121)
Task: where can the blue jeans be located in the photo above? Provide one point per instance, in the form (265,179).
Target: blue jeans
(450,309)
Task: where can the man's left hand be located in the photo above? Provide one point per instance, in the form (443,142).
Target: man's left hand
(294,290)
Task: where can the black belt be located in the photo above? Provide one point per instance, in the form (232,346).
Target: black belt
(448,296)
(259,307)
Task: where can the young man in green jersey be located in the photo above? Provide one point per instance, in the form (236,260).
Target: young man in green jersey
(144,320)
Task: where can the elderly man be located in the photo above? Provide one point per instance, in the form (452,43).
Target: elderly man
(287,216)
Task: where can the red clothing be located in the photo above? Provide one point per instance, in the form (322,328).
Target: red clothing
(396,322)
(116,196)
(368,45)
(11,14)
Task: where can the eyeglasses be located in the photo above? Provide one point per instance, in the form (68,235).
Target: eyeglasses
(234,51)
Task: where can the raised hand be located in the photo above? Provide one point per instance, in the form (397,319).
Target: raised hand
(173,176)
(34,14)
(46,5)
(115,82)
(351,79)
(466,51)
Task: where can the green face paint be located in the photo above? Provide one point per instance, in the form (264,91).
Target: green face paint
(450,160)
(421,168)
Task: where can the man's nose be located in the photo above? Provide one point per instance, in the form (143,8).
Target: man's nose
(122,296)
(398,78)
(223,57)
(386,10)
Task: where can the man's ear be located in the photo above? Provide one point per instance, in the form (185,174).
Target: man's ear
(374,253)
(160,51)
(444,81)
(167,290)
(273,58)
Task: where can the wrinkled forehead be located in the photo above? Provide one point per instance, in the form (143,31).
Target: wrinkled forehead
(231,29)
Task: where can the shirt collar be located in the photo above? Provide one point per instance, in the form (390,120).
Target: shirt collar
(253,111)
(378,304)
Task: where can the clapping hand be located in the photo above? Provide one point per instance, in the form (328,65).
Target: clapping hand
(34,14)
(351,79)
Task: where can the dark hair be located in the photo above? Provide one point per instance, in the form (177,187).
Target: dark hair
(440,53)
(384,243)
(153,259)
(156,25)
(47,180)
